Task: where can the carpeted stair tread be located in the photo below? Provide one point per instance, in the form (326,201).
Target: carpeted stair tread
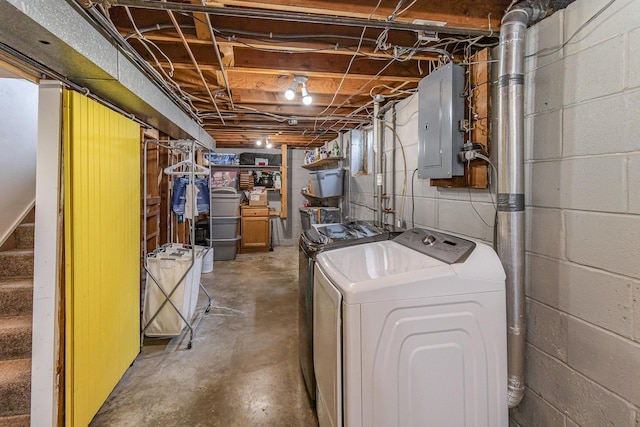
(15,337)
(16,263)
(24,236)
(15,421)
(16,296)
(15,387)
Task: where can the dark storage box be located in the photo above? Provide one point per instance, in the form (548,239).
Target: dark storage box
(250,158)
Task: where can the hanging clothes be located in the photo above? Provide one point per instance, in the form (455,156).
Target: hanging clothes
(203,200)
(178,196)
(181,196)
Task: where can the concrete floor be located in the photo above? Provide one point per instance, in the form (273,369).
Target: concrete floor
(243,369)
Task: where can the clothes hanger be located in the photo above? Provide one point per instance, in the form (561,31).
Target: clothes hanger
(177,169)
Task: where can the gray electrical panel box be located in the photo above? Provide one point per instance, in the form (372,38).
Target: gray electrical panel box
(440,112)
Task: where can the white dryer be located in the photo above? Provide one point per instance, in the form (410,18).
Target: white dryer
(411,333)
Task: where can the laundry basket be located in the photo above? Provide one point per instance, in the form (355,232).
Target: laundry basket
(164,269)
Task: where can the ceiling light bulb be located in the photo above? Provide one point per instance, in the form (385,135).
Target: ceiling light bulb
(290,93)
(269,144)
(306,98)
(258,143)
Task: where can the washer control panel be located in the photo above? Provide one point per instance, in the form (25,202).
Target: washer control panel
(438,245)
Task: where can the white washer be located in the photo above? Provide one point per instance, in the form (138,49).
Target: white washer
(411,333)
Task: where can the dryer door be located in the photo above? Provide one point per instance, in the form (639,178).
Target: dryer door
(327,350)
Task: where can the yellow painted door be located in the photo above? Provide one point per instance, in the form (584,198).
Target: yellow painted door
(102,252)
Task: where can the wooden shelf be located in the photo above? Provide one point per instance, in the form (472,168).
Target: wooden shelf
(243,167)
(283,176)
(323,163)
(311,196)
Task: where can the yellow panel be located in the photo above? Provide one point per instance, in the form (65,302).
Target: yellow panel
(102,252)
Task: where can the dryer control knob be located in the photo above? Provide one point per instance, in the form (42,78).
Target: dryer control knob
(430,239)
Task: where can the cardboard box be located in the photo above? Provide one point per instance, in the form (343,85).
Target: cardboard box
(258,197)
(258,200)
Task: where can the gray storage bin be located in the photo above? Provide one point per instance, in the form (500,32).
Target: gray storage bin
(225,201)
(224,249)
(224,227)
(327,183)
(328,215)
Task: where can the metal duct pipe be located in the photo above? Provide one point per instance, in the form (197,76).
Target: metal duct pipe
(511,200)
(393,166)
(378,160)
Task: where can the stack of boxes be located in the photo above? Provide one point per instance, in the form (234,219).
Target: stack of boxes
(225,217)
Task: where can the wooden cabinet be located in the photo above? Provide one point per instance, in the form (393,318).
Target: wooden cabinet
(255,229)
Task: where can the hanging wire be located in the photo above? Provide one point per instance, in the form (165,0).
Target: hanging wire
(550,50)
(167,77)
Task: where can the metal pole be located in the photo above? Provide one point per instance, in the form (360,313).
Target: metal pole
(378,161)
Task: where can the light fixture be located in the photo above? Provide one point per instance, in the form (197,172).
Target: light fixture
(306,98)
(259,142)
(290,93)
(269,145)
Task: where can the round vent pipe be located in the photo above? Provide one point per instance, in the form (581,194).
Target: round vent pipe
(511,200)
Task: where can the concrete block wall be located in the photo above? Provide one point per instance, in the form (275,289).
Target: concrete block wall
(582,154)
(583,283)
(298,178)
(359,191)
(468,212)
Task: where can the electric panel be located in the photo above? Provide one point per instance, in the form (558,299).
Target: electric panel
(440,112)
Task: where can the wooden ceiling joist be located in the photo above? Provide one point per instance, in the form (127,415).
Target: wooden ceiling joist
(263,44)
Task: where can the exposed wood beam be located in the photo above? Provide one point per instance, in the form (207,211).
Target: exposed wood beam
(285,15)
(248,96)
(321,63)
(274,82)
(285,110)
(290,45)
(455,13)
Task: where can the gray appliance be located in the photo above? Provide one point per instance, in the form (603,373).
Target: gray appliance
(313,241)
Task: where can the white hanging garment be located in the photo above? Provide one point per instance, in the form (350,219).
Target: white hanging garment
(190,201)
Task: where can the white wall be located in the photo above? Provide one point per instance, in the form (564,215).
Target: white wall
(583,206)
(46,289)
(18,140)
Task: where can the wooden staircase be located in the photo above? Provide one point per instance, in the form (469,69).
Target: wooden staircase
(16,308)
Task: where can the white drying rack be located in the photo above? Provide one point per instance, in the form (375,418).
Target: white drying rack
(186,167)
